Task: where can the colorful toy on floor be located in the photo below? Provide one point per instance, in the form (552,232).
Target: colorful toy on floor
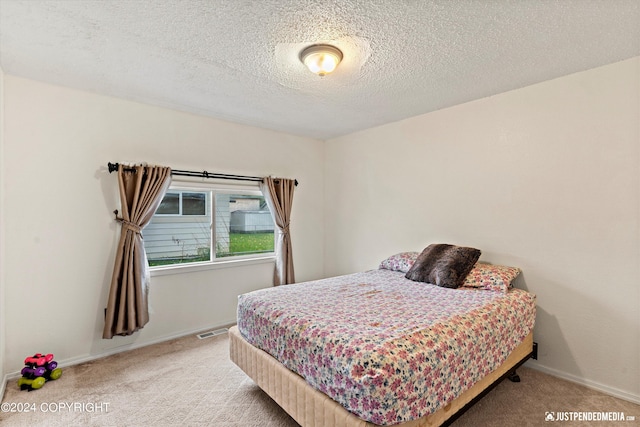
(53,375)
(33,372)
(31,384)
(38,359)
(39,369)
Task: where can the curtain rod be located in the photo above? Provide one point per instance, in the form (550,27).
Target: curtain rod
(113,167)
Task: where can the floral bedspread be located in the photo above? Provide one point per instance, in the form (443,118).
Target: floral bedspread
(386,348)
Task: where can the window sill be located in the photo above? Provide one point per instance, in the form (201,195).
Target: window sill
(213,265)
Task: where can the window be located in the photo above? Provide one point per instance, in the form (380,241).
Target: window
(183,203)
(195,225)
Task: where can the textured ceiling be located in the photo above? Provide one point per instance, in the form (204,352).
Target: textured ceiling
(238,60)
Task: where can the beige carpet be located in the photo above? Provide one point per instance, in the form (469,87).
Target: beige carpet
(192,382)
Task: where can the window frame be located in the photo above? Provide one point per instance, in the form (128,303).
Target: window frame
(207,203)
(213,187)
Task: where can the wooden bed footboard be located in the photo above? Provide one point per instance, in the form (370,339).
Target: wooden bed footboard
(312,408)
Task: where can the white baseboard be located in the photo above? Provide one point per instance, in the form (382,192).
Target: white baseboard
(3,386)
(612,391)
(110,352)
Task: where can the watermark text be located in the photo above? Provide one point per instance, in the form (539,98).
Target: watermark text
(588,416)
(55,407)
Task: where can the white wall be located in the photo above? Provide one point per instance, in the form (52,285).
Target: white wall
(61,235)
(2,262)
(546,178)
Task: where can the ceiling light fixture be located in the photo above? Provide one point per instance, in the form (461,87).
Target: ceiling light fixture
(321,58)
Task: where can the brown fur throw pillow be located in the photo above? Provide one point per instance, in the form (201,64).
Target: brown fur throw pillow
(443,265)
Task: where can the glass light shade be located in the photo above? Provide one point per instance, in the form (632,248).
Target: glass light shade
(321,59)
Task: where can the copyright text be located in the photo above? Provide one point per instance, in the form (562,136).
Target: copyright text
(55,407)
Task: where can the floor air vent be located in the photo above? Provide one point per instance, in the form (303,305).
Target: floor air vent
(212,333)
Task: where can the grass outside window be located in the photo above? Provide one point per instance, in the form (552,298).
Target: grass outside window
(239,244)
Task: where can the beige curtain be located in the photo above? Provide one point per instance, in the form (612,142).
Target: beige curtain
(141,191)
(279,196)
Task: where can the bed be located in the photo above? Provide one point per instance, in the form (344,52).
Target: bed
(376,348)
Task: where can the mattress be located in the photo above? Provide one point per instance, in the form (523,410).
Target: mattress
(385,348)
(311,408)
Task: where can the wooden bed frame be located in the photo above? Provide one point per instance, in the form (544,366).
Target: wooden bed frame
(312,408)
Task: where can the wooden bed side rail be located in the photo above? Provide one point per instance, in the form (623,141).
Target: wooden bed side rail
(312,408)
